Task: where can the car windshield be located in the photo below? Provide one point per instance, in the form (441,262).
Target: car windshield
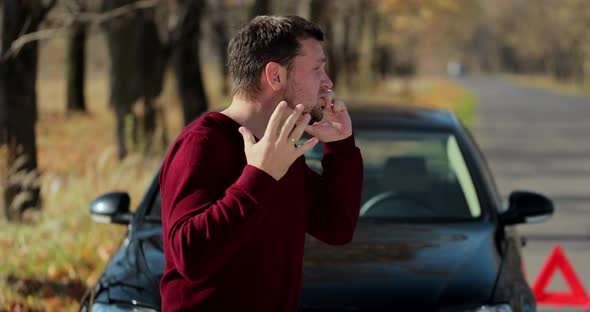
(409,176)
(412,176)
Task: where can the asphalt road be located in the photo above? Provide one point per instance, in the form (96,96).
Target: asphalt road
(538,140)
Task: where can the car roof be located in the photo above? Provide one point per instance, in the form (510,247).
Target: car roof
(378,117)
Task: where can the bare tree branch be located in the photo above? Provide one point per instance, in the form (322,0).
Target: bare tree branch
(73,6)
(97,18)
(46,10)
(80,17)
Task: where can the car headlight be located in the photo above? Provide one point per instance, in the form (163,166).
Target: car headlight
(101,307)
(492,308)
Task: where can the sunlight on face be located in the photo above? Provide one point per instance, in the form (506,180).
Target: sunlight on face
(308,81)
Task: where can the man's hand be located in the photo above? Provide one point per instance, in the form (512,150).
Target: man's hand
(334,126)
(276,151)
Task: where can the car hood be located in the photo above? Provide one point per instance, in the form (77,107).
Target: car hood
(388,266)
(133,274)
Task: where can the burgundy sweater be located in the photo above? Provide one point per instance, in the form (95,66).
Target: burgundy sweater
(233,235)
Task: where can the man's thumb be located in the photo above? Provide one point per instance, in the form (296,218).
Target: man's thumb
(248,137)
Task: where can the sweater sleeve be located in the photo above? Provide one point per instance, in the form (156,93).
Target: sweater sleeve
(335,196)
(206,219)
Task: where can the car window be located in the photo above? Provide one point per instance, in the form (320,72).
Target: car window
(412,176)
(486,174)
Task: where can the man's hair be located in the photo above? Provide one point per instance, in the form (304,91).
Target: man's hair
(266,39)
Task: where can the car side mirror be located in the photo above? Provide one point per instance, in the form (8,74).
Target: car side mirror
(526,207)
(111,208)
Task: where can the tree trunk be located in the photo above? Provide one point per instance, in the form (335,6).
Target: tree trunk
(321,14)
(367,38)
(187,66)
(382,58)
(76,69)
(152,57)
(221,39)
(124,86)
(189,80)
(18,108)
(149,123)
(351,44)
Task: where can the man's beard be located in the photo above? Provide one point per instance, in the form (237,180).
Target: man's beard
(316,112)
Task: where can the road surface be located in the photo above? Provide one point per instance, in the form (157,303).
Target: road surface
(538,140)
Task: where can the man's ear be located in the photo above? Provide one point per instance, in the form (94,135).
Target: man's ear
(275,75)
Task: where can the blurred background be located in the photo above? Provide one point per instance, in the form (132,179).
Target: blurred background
(92,92)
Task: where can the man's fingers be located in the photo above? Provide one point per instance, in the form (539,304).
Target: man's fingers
(290,123)
(248,137)
(338,106)
(300,128)
(312,129)
(274,123)
(309,144)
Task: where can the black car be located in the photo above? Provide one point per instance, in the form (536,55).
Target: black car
(433,232)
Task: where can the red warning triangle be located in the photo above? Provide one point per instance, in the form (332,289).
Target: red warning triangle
(577,297)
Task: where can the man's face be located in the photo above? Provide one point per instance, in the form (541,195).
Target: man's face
(307,80)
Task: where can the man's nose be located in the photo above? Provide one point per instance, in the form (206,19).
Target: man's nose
(326,82)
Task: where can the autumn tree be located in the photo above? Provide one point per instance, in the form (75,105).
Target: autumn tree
(139,55)
(18,106)
(122,35)
(187,66)
(535,37)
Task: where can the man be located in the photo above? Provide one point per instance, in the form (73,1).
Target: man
(237,196)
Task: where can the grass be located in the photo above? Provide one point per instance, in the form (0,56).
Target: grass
(46,265)
(441,93)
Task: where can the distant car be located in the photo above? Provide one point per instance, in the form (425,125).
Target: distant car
(433,233)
